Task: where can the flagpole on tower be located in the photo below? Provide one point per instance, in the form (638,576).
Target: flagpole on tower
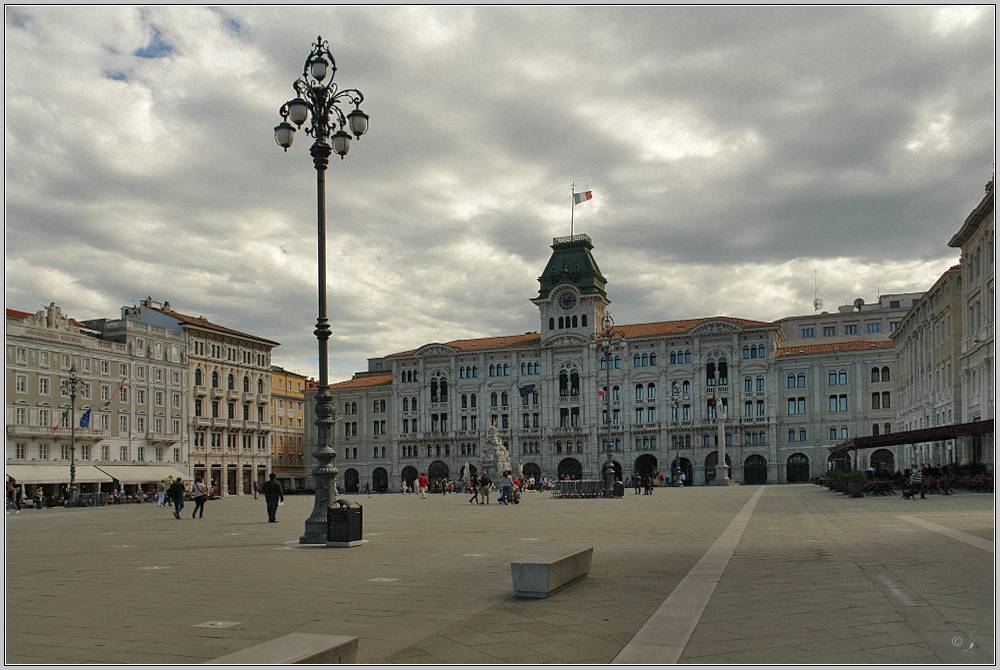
(572,206)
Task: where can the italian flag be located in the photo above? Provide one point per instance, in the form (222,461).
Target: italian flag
(600,392)
(582,197)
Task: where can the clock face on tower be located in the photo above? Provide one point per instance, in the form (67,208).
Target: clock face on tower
(567,300)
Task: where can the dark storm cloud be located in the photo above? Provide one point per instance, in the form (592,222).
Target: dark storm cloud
(737,155)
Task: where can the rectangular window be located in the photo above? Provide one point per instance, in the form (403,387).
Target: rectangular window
(874,327)
(43,452)
(43,385)
(22,384)
(808,332)
(829,332)
(850,330)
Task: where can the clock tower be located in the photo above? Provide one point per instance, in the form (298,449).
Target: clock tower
(571,297)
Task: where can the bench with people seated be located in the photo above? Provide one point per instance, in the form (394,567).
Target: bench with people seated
(541,575)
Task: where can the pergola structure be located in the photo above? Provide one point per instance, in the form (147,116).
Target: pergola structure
(936,434)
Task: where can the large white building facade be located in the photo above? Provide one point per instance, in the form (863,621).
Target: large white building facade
(557,401)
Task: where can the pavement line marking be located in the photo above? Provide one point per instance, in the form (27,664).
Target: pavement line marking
(663,637)
(977,542)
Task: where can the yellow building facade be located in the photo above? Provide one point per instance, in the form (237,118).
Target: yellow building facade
(287,427)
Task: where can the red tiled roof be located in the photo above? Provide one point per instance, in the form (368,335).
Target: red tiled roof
(15,314)
(205,323)
(364,382)
(855,345)
(682,326)
(633,330)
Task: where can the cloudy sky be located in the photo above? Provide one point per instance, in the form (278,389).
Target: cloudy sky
(740,158)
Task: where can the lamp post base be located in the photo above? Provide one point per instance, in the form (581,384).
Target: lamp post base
(722,477)
(316,532)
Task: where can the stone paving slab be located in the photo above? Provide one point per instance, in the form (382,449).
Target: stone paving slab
(815,577)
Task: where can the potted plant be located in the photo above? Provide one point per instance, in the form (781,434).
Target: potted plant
(855,483)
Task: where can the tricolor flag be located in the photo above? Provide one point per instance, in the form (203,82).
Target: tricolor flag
(85,420)
(582,197)
(600,393)
(122,385)
(60,422)
(711,402)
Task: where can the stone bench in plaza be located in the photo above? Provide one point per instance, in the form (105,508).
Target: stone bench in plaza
(295,648)
(543,574)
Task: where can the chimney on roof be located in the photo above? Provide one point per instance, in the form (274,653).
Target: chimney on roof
(166,306)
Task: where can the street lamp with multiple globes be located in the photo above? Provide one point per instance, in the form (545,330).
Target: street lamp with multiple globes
(69,387)
(608,340)
(318,102)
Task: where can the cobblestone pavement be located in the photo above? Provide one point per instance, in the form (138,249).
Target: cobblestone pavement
(744,574)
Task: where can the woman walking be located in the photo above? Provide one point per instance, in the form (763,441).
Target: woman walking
(200,495)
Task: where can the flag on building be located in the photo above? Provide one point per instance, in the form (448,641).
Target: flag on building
(582,197)
(85,420)
(61,419)
(122,385)
(600,392)
(526,390)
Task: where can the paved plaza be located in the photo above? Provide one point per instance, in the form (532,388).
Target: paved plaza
(744,574)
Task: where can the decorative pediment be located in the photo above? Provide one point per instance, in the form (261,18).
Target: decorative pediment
(434,350)
(715,327)
(567,340)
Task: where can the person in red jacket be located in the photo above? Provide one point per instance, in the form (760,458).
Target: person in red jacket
(423,485)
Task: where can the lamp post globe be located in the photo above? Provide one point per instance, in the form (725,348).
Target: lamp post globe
(316,110)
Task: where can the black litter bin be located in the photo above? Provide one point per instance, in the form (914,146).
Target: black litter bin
(619,490)
(344,522)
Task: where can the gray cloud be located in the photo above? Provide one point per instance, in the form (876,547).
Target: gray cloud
(735,153)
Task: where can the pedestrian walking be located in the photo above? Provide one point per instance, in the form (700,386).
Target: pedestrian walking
(256,489)
(484,488)
(422,485)
(474,486)
(636,483)
(161,491)
(176,494)
(273,495)
(917,481)
(506,484)
(12,498)
(200,495)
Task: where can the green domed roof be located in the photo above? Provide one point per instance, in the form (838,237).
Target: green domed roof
(571,262)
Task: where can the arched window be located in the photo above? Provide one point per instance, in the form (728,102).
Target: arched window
(842,375)
(215,379)
(472,401)
(246,384)
(494,398)
(748,384)
(231,382)
(197,377)
(885,400)
(802,435)
(888,429)
(552,324)
(574,322)
(791,435)
(687,356)
(760,351)
(748,409)
(875,401)
(686,388)
(406,404)
(645,360)
(833,377)
(800,380)
(583,320)
(652,359)
(465,401)
(504,398)
(760,383)
(506,369)
(444,391)
(673,358)
(347,408)
(874,374)
(574,383)
(710,373)
(886,374)
(260,386)
(563,384)
(636,361)
(561,326)
(723,372)
(434,391)
(791,381)
(381,405)
(874,429)
(746,351)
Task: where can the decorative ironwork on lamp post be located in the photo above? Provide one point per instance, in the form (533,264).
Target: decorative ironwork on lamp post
(608,340)
(318,102)
(69,386)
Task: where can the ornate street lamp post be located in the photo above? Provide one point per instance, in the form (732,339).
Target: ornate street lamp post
(318,101)
(69,387)
(608,340)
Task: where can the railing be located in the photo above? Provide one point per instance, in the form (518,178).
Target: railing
(578,488)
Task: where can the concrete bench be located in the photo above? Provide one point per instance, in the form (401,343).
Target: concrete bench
(295,648)
(543,574)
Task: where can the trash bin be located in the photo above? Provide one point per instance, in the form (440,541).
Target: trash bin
(344,522)
(619,490)
(52,501)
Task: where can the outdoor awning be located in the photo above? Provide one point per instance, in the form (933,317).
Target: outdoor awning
(49,473)
(138,474)
(936,434)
